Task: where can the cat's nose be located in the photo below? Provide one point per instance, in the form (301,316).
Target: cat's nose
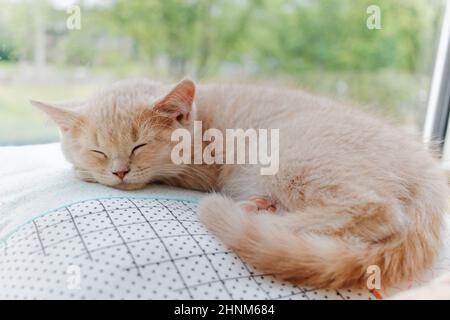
(121,173)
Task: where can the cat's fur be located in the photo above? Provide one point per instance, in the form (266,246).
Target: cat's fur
(350,192)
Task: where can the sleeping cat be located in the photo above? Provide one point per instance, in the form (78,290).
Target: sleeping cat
(351,192)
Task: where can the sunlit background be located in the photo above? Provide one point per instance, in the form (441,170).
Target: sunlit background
(323,46)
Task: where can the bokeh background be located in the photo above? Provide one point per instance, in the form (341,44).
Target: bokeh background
(323,46)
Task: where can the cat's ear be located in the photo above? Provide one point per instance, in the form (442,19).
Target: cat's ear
(177,104)
(64,118)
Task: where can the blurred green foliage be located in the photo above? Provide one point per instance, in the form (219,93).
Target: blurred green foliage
(281,35)
(198,35)
(322,45)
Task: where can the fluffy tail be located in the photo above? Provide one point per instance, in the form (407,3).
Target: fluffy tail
(270,243)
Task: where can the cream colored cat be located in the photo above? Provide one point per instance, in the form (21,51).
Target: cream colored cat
(351,191)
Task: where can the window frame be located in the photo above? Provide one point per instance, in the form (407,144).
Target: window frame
(436,127)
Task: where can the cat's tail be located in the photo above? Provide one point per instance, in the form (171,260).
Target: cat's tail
(271,243)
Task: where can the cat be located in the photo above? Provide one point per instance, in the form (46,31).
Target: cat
(351,192)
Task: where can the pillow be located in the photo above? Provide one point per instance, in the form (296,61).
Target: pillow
(102,243)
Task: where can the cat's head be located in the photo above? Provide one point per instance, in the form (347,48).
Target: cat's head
(121,136)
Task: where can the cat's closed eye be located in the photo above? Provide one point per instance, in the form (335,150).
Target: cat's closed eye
(99,152)
(137,147)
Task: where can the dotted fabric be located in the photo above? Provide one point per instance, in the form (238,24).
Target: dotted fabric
(131,248)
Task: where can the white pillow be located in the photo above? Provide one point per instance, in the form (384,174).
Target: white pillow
(102,243)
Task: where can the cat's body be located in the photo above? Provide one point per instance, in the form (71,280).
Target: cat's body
(350,193)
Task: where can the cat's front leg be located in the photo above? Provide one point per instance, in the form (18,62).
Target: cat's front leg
(83,174)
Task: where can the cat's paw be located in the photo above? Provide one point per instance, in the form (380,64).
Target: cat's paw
(256,204)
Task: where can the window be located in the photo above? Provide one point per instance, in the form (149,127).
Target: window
(436,124)
(378,55)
